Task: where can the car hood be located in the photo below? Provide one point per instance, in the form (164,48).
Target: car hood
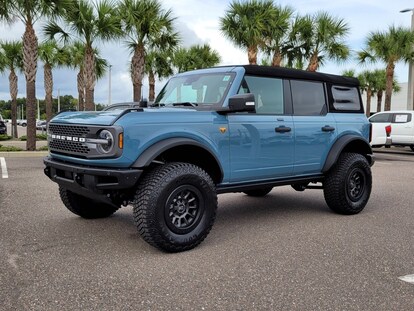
(88,117)
(105,117)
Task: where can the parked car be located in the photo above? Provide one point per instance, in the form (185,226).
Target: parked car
(402,124)
(3,128)
(22,122)
(380,135)
(41,125)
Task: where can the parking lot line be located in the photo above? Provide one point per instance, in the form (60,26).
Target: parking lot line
(4,173)
(407,278)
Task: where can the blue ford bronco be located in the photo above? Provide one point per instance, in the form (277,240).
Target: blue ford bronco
(211,131)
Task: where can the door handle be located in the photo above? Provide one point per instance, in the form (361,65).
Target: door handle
(328,128)
(283,129)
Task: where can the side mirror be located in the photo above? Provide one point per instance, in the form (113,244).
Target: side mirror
(242,103)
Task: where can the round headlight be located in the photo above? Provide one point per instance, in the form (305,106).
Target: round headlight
(108,146)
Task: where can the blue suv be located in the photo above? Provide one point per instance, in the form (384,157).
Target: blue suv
(226,129)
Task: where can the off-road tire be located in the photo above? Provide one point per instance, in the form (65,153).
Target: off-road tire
(258,192)
(348,184)
(85,207)
(175,206)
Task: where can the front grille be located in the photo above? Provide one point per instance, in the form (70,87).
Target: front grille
(65,146)
(68,130)
(68,146)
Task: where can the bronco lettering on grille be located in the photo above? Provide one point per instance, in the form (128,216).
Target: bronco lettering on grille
(69,138)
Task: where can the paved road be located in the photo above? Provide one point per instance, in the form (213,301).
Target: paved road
(286,251)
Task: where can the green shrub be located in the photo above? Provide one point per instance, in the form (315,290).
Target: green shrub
(38,137)
(10,148)
(5,137)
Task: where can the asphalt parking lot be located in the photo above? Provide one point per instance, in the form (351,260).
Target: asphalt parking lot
(286,251)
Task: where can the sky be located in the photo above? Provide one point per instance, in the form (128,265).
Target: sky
(198,23)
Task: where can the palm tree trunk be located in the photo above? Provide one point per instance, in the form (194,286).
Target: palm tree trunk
(151,81)
(89,70)
(388,87)
(30,46)
(48,78)
(379,100)
(277,59)
(252,54)
(137,71)
(81,91)
(313,63)
(368,108)
(13,94)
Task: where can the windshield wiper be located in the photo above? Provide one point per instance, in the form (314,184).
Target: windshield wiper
(157,105)
(185,104)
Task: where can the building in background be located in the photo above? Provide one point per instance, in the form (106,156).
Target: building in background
(398,100)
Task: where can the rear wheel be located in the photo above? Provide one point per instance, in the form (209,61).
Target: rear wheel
(85,207)
(258,192)
(175,206)
(347,186)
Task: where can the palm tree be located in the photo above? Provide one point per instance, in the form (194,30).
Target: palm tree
(76,61)
(157,64)
(147,26)
(52,56)
(367,84)
(11,54)
(246,23)
(29,12)
(389,47)
(380,84)
(195,57)
(88,22)
(277,34)
(320,38)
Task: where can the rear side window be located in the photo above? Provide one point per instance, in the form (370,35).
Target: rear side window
(381,117)
(401,118)
(308,98)
(345,98)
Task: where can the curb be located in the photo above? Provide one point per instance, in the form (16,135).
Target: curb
(23,154)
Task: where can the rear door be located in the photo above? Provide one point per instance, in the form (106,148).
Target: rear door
(315,129)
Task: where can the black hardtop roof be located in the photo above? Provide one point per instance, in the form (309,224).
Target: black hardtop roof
(282,72)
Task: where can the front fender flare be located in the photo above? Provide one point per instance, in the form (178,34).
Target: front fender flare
(156,149)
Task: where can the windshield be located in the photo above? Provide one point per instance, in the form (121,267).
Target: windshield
(195,90)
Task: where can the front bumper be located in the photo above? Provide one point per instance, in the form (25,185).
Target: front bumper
(96,183)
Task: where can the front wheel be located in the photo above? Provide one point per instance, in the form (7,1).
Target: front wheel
(347,186)
(175,206)
(85,207)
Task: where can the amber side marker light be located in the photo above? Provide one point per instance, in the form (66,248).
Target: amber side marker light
(121,140)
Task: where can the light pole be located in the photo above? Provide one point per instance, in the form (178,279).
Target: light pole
(410,93)
(110,86)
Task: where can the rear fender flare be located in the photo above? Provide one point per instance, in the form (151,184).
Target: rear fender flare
(341,144)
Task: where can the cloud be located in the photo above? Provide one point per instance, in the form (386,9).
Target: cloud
(198,23)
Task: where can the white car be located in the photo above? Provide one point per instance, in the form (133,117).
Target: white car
(401,131)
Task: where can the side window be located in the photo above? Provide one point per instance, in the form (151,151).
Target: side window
(268,94)
(401,118)
(345,98)
(381,117)
(308,98)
